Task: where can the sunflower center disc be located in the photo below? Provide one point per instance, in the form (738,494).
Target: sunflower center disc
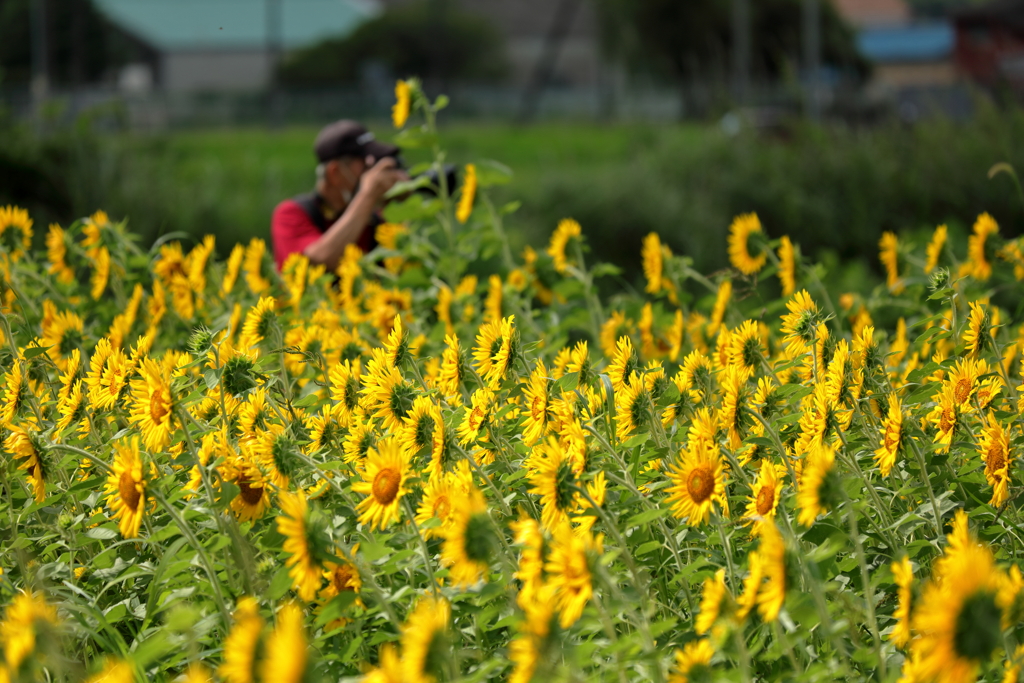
(442,507)
(385,486)
(129,493)
(700,484)
(977,627)
(343,579)
(995,458)
(478,538)
(250,494)
(765,498)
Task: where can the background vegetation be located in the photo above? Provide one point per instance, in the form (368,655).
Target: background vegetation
(831,188)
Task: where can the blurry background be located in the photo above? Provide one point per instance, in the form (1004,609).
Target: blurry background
(833,119)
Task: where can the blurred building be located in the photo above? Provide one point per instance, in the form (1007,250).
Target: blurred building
(906,53)
(564,30)
(990,43)
(224,45)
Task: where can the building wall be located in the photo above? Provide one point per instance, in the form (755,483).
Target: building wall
(910,75)
(220,70)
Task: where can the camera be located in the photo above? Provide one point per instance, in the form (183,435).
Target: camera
(431,179)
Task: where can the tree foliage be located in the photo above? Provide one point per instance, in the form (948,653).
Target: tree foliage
(432,39)
(693,40)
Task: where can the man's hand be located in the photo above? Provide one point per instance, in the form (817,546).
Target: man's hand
(381,177)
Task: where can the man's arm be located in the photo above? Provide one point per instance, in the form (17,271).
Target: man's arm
(329,249)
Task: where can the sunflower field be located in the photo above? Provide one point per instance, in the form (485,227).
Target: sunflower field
(400,471)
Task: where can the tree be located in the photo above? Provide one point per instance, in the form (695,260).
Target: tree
(692,40)
(432,39)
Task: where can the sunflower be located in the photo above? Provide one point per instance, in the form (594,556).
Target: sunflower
(396,344)
(71,408)
(994,448)
(492,303)
(903,573)
(892,436)
(63,334)
(469,539)
(403,103)
(568,569)
(476,423)
(958,619)
(567,229)
(417,431)
(693,662)
(714,600)
(697,482)
(946,416)
(530,649)
(252,264)
(978,248)
(978,334)
(817,485)
(126,487)
(258,322)
(465,207)
(383,483)
(772,552)
(652,254)
(747,347)
(15,231)
(100,273)
(345,386)
(425,640)
(360,439)
(253,497)
(934,248)
(751,585)
(453,370)
(722,297)
(152,408)
(530,571)
(56,253)
(388,396)
(799,326)
(740,232)
(287,653)
(536,395)
(787,265)
(765,494)
(304,531)
(497,348)
(625,361)
(889,256)
(25,620)
(438,503)
(553,479)
(25,443)
(244,645)
(388,669)
(632,407)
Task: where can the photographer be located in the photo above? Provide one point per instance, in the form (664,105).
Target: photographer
(352,176)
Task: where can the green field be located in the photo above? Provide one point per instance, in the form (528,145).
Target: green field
(835,189)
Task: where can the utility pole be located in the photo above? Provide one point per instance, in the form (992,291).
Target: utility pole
(274,30)
(40,57)
(812,57)
(741,50)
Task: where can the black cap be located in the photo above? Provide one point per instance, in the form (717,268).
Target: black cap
(349,138)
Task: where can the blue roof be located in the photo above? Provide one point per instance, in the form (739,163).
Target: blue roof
(234,24)
(913,43)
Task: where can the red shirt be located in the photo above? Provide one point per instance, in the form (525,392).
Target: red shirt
(292,230)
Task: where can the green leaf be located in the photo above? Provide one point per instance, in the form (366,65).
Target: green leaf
(490,173)
(280,584)
(646,517)
(34,351)
(336,607)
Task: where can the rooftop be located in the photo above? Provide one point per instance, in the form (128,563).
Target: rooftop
(911,43)
(234,24)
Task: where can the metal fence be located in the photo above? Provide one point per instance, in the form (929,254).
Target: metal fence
(157,110)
